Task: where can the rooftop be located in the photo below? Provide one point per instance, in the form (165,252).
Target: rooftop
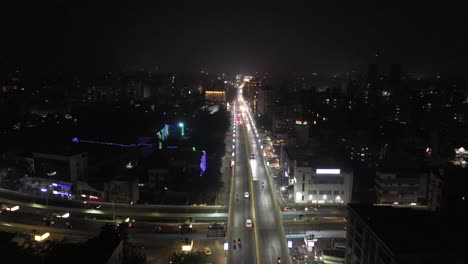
(410,232)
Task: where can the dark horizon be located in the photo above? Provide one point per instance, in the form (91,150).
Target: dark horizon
(52,38)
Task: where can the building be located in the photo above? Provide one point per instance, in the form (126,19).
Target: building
(122,191)
(301,130)
(322,186)
(332,256)
(264,100)
(394,76)
(314,174)
(215,96)
(401,187)
(390,235)
(63,167)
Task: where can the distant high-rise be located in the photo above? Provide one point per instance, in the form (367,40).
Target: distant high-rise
(395,74)
(373,73)
(371,88)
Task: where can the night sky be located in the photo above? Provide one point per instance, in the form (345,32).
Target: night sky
(241,37)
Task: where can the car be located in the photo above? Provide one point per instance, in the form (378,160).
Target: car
(252,156)
(185,228)
(217,226)
(95,206)
(48,220)
(60,214)
(207,251)
(246,195)
(91,205)
(10,207)
(248,222)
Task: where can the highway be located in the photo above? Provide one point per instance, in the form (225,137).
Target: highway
(241,207)
(265,241)
(7,195)
(271,240)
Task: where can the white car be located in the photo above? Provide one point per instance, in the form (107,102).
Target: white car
(207,251)
(60,214)
(10,207)
(246,195)
(248,222)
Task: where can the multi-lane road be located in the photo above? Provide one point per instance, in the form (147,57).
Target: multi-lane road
(265,241)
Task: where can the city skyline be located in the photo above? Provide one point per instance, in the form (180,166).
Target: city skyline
(145,132)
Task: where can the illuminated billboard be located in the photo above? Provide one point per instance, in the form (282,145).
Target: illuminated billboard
(328,171)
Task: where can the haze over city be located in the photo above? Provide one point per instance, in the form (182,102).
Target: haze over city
(326,38)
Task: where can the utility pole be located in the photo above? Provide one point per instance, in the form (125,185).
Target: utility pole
(113,217)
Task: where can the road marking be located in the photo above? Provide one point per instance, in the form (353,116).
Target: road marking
(254,215)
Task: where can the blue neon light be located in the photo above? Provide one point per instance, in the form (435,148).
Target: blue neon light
(61,185)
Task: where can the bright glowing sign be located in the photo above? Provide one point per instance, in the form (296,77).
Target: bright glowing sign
(328,171)
(226,246)
(41,238)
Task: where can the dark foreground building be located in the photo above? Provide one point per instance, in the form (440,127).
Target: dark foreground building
(391,235)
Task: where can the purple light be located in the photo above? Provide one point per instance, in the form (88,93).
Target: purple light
(75,140)
(203,164)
